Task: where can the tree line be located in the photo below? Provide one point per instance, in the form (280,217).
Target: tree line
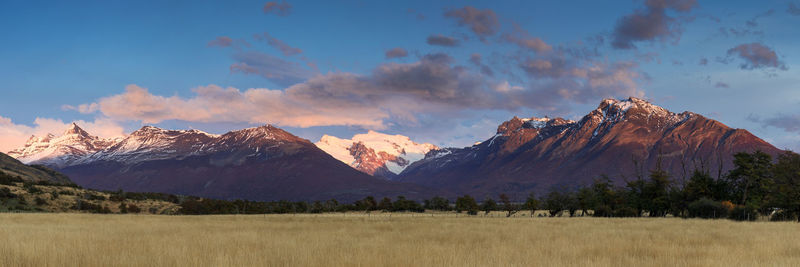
(757,186)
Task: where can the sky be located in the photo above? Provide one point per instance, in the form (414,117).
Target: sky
(444,72)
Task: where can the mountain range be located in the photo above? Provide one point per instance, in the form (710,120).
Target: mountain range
(261,163)
(620,138)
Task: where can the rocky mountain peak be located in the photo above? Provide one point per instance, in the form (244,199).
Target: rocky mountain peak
(75,129)
(375,153)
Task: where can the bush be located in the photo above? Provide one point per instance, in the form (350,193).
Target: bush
(783,216)
(6,193)
(6,179)
(626,212)
(743,213)
(31,188)
(40,201)
(603,211)
(134,209)
(707,209)
(90,196)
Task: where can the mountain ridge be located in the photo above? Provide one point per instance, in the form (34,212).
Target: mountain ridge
(537,154)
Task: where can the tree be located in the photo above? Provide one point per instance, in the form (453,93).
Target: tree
(751,179)
(122,208)
(367,204)
(468,204)
(786,189)
(555,202)
(509,207)
(656,192)
(606,199)
(385,205)
(438,203)
(585,199)
(317,207)
(700,185)
(634,196)
(532,203)
(488,205)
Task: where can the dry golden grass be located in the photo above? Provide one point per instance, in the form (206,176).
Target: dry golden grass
(383,240)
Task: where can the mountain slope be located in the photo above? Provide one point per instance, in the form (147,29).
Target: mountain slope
(375,153)
(619,138)
(261,163)
(14,168)
(59,151)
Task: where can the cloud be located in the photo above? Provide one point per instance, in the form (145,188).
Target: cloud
(753,22)
(793,9)
(721,85)
(786,122)
(442,40)
(756,56)
(391,94)
(475,59)
(13,135)
(285,49)
(222,41)
(743,32)
(225,41)
(650,24)
(523,39)
(703,62)
(483,23)
(397,52)
(398,91)
(277,70)
(280,9)
(561,80)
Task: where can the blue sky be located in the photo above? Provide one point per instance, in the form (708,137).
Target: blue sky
(326,71)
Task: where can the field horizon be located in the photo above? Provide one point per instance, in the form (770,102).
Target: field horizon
(390,239)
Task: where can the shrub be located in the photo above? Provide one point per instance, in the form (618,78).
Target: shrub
(6,179)
(626,212)
(783,216)
(90,196)
(743,213)
(40,201)
(707,209)
(31,188)
(6,193)
(603,211)
(134,209)
(85,206)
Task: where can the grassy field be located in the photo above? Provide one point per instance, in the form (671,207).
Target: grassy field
(384,240)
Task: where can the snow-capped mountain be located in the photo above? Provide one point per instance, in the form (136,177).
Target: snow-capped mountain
(62,150)
(151,143)
(620,138)
(259,163)
(376,153)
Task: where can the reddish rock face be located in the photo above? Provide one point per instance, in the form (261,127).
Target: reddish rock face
(620,138)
